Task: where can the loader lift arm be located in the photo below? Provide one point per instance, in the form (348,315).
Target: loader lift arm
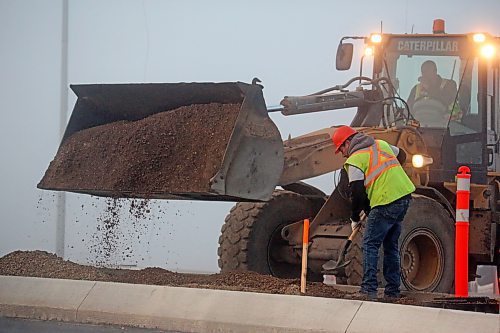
(293,105)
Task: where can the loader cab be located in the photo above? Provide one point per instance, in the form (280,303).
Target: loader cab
(438,77)
(455,110)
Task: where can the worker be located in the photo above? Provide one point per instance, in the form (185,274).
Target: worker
(432,86)
(381,189)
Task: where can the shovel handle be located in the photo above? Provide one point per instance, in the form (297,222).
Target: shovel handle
(354,232)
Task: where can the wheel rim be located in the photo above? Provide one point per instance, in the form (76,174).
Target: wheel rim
(422,260)
(277,266)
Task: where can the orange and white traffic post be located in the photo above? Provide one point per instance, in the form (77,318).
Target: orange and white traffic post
(462,233)
(305,248)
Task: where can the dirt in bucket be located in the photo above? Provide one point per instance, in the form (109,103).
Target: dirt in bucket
(175,151)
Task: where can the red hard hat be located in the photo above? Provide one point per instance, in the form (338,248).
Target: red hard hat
(341,134)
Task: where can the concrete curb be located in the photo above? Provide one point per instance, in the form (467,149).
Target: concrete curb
(206,310)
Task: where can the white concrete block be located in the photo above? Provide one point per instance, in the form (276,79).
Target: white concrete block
(39,298)
(387,318)
(204,310)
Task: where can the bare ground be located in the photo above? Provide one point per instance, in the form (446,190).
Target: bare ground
(47,265)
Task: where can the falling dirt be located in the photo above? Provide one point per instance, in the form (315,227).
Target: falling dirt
(121,223)
(175,151)
(104,242)
(115,227)
(46,265)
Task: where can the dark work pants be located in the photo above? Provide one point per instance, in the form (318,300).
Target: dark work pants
(383,227)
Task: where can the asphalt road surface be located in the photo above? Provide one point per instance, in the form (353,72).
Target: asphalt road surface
(16,325)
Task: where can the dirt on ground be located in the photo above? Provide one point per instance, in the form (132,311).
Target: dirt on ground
(46,265)
(168,152)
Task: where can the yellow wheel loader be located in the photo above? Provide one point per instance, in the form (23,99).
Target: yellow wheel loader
(263,231)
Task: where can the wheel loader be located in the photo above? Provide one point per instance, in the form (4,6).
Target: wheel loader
(265,175)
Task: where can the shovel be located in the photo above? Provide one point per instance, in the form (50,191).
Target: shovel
(332,266)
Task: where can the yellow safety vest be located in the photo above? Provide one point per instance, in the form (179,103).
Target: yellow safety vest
(385,179)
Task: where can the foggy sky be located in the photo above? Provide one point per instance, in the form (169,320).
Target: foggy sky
(289,45)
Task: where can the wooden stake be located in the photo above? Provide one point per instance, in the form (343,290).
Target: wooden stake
(305,246)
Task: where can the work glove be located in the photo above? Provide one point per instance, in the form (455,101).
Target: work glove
(354,224)
(357,224)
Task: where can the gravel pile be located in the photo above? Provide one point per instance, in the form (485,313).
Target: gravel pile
(46,265)
(43,264)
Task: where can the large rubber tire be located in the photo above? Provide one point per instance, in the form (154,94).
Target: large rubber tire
(426,249)
(354,271)
(252,231)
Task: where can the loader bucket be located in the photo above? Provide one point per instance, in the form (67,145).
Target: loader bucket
(199,141)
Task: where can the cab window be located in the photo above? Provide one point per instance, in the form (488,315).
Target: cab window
(441,91)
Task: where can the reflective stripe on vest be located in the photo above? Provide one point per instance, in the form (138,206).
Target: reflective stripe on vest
(379,162)
(385,179)
(418,89)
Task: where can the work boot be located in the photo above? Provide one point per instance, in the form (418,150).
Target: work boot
(392,296)
(362,296)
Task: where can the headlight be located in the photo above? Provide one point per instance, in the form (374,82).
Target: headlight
(419,161)
(488,51)
(376,38)
(479,37)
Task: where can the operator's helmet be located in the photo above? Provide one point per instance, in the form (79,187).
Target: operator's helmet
(341,134)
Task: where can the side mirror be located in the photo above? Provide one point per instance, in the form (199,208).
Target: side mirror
(344,56)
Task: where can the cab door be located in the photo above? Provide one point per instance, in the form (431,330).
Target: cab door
(467,140)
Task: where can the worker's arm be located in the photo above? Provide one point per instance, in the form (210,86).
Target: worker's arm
(359,198)
(400,154)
